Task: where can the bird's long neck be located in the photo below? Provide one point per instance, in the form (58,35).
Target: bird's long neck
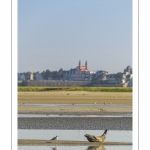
(105,132)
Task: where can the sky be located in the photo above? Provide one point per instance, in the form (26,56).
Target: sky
(54,34)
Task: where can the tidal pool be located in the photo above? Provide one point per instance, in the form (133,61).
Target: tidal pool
(77,135)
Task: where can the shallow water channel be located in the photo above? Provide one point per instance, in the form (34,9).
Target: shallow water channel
(77,135)
(77,105)
(70,116)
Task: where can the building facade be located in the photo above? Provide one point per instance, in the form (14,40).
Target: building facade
(124,78)
(25,76)
(80,73)
(21,76)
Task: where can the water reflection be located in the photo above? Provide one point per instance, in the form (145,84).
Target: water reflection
(118,147)
(96,148)
(88,148)
(54,148)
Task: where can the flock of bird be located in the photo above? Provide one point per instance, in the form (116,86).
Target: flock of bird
(91,138)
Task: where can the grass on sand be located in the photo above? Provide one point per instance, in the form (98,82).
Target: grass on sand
(91,89)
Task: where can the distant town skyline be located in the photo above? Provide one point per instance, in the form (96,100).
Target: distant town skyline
(54,34)
(75,68)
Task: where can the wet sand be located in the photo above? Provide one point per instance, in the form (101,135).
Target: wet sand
(87,123)
(68,143)
(59,110)
(69,113)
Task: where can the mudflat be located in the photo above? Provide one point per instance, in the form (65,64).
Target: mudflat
(73,99)
(77,123)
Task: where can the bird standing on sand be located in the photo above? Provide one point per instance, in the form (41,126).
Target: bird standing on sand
(55,138)
(92,138)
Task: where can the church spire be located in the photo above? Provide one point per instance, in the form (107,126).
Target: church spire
(86,64)
(79,63)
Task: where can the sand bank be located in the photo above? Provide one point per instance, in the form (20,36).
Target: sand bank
(67,143)
(76,97)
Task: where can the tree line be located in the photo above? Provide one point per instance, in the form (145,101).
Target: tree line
(55,75)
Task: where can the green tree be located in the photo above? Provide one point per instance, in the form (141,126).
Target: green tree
(47,74)
(43,74)
(55,75)
(60,73)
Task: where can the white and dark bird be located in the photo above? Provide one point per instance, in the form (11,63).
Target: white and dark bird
(55,138)
(92,138)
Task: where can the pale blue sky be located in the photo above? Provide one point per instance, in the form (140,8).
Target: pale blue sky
(54,34)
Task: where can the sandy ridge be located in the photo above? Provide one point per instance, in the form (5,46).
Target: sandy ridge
(66,142)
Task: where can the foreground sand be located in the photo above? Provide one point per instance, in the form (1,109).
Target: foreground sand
(68,143)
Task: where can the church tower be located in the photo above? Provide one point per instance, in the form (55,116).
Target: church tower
(86,64)
(79,64)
